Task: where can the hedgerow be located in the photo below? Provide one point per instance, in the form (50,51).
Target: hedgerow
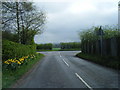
(12,50)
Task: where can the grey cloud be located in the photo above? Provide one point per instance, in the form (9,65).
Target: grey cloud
(62,25)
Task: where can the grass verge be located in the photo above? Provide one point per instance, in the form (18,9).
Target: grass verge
(107,61)
(9,77)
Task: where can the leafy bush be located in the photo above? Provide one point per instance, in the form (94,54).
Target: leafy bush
(11,50)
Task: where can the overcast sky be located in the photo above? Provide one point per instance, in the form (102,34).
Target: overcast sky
(65,18)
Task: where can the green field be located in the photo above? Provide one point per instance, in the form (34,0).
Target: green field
(56,49)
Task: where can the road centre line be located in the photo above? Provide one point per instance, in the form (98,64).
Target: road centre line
(60,54)
(77,75)
(65,62)
(83,81)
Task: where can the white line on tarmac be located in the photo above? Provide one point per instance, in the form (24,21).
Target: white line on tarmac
(60,54)
(65,62)
(83,81)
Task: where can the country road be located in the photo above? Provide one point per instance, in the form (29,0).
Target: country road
(61,69)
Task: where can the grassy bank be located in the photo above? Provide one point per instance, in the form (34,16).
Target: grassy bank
(11,76)
(108,61)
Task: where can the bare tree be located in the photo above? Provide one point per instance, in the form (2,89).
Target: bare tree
(23,18)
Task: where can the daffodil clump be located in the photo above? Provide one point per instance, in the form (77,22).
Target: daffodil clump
(15,63)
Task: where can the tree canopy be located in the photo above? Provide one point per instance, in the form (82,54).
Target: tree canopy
(91,34)
(23,19)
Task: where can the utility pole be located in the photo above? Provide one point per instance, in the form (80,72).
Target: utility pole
(119,16)
(100,33)
(101,40)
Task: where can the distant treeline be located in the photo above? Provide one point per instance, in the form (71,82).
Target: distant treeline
(47,46)
(62,46)
(56,45)
(70,45)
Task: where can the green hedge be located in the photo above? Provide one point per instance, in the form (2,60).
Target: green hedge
(12,50)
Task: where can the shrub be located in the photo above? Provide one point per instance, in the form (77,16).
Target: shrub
(12,50)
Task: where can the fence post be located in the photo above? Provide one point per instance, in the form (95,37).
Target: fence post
(104,47)
(113,46)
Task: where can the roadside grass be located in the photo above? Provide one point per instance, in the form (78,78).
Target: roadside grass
(107,61)
(10,77)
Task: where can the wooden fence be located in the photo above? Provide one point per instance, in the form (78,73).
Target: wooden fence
(110,47)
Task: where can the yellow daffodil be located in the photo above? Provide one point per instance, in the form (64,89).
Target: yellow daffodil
(21,59)
(6,62)
(18,62)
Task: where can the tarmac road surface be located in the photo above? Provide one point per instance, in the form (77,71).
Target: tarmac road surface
(61,69)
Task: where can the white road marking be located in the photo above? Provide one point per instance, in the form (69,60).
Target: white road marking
(65,62)
(83,81)
(60,54)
